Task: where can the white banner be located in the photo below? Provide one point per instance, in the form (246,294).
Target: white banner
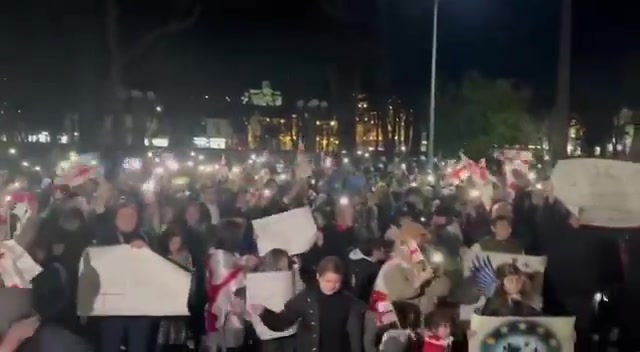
(273,290)
(480,280)
(17,268)
(124,281)
(603,192)
(496,334)
(293,231)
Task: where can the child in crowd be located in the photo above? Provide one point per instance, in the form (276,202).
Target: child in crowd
(437,337)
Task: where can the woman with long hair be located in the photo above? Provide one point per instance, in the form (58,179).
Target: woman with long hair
(330,319)
(507,299)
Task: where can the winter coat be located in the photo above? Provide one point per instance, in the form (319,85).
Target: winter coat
(434,343)
(363,273)
(303,308)
(52,338)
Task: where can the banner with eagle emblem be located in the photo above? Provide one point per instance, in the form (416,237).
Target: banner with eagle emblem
(482,279)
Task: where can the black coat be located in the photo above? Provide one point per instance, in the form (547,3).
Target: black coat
(52,338)
(303,308)
(364,273)
(336,243)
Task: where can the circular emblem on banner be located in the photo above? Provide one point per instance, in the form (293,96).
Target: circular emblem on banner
(521,336)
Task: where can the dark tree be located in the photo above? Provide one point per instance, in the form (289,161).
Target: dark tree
(344,65)
(122,54)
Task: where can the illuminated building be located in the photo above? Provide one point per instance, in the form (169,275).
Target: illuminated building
(371,129)
(264,96)
(272,133)
(576,135)
(327,136)
(272,126)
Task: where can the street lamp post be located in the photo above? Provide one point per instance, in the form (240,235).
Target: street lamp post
(432,100)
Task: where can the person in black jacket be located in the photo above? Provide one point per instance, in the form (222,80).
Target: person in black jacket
(51,293)
(364,265)
(330,319)
(334,239)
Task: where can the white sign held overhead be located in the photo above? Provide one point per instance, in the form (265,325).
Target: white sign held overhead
(293,231)
(601,192)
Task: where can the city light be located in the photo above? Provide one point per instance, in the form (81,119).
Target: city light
(12,151)
(172,165)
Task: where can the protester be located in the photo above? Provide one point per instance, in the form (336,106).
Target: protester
(209,201)
(501,241)
(322,327)
(224,277)
(278,260)
(214,239)
(364,265)
(476,223)
(51,289)
(123,228)
(405,277)
(334,239)
(437,336)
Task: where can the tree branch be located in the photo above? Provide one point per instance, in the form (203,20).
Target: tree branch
(148,40)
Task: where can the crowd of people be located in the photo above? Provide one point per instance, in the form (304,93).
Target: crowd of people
(384,273)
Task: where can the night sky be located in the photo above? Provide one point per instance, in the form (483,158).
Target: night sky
(53,56)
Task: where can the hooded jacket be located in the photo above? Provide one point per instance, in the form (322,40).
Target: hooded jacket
(363,271)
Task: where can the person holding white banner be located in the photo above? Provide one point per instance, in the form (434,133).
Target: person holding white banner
(124,228)
(330,319)
(276,261)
